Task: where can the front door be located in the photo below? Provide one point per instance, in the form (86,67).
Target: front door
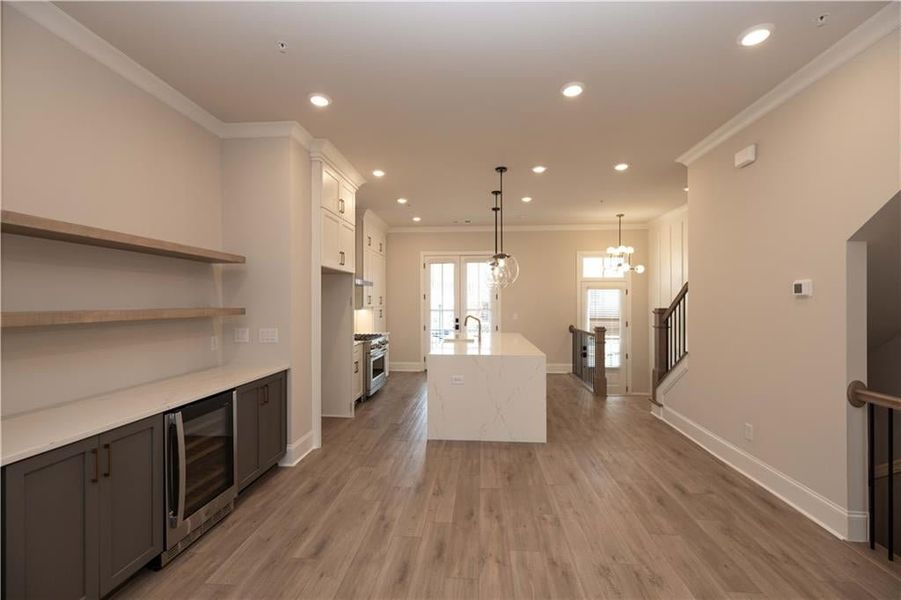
(605,305)
(454,286)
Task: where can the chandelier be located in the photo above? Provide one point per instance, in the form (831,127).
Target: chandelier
(619,258)
(504,269)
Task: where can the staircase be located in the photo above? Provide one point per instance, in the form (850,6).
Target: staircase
(670,339)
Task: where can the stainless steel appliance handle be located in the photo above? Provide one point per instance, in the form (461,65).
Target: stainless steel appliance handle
(179,516)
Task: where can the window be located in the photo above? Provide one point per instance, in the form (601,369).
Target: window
(598,266)
(604,309)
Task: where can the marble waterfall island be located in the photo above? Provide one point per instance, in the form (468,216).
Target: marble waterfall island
(489,390)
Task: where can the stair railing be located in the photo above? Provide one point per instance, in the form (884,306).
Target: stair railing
(858,396)
(588,358)
(670,341)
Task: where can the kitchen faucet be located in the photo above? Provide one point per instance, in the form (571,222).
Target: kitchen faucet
(479,321)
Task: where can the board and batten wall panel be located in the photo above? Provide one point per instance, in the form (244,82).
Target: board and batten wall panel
(540,305)
(82,144)
(668,244)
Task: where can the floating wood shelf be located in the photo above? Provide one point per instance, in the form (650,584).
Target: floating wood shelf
(79,317)
(40,227)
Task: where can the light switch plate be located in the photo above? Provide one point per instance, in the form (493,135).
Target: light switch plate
(214,343)
(456,380)
(242,335)
(268,335)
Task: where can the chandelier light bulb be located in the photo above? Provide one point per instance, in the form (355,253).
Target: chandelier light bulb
(639,269)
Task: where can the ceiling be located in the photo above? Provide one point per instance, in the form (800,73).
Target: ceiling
(437,95)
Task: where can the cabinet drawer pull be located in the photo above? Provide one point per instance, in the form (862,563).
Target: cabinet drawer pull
(356,366)
(109,459)
(341,254)
(380,313)
(370,299)
(380,247)
(369,240)
(96,476)
(341,205)
(380,301)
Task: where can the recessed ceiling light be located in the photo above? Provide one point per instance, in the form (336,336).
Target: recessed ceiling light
(572,89)
(621,167)
(320,100)
(755,35)
(401,200)
(378,173)
(417,219)
(527,199)
(539,169)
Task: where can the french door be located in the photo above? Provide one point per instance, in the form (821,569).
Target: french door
(603,304)
(454,286)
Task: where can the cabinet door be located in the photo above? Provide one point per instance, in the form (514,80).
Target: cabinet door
(131,500)
(330,192)
(330,240)
(347,204)
(273,421)
(346,254)
(248,438)
(369,270)
(50,514)
(378,280)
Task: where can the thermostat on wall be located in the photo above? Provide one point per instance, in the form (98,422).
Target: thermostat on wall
(802,288)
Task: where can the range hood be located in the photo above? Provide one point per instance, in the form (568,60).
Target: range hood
(359,282)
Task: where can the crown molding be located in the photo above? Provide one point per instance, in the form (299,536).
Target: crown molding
(65,27)
(865,35)
(508,228)
(325,151)
(267,129)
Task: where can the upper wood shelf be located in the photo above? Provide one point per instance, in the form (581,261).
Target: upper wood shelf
(81,317)
(40,227)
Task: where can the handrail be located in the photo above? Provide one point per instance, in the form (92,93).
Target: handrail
(574,329)
(675,303)
(859,395)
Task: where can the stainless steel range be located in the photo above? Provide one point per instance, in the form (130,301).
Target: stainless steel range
(375,361)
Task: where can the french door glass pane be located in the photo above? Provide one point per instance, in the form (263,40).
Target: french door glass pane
(603,308)
(479,296)
(441,310)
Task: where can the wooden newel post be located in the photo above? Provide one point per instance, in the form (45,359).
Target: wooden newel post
(661,343)
(600,356)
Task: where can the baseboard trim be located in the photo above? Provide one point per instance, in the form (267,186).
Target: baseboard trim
(559,368)
(407,367)
(844,524)
(296,451)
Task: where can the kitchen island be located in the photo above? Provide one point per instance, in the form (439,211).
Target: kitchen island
(489,390)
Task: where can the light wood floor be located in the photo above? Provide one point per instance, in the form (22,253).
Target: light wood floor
(616,505)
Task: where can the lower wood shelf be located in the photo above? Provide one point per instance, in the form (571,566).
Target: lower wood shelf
(79,317)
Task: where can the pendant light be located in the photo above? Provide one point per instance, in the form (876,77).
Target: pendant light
(504,267)
(620,257)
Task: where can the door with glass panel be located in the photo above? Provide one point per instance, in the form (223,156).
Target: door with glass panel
(455,286)
(605,305)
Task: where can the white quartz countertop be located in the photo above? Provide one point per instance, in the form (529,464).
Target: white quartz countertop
(31,433)
(497,344)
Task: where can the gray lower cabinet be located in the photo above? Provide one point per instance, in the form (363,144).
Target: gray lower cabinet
(79,520)
(262,426)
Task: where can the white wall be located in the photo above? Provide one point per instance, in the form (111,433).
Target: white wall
(828,159)
(541,304)
(668,251)
(82,144)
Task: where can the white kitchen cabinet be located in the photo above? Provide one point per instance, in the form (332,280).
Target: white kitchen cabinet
(331,192)
(357,372)
(347,204)
(372,252)
(330,240)
(346,255)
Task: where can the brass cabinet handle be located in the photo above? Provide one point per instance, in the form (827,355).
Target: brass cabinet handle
(370,299)
(380,301)
(356,366)
(368,240)
(341,205)
(96,477)
(109,459)
(341,253)
(380,247)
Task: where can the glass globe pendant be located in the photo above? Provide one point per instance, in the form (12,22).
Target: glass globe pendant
(504,268)
(620,257)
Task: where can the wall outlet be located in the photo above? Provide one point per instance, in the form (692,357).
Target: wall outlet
(214,343)
(242,335)
(749,432)
(456,380)
(268,335)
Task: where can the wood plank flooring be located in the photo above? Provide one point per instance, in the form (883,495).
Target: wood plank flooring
(615,505)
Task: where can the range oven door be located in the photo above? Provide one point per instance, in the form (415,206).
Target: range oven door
(200,464)
(378,370)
